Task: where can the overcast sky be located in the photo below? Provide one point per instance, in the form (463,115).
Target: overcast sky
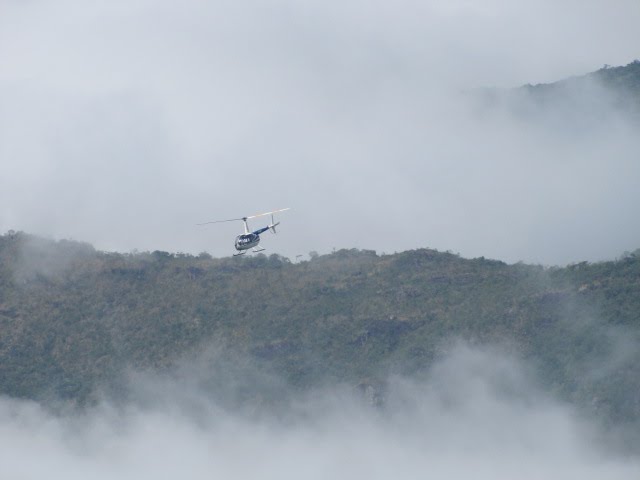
(126,123)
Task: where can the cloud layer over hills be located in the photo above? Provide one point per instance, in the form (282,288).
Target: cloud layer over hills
(479,413)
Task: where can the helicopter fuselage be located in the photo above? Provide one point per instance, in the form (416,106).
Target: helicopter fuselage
(247,241)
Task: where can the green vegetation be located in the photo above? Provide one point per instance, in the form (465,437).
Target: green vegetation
(73,319)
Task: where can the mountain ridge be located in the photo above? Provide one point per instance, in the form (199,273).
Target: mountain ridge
(74,320)
(598,96)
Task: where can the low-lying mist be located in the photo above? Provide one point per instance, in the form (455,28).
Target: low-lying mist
(477,413)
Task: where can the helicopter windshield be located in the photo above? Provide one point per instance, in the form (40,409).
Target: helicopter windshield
(244,239)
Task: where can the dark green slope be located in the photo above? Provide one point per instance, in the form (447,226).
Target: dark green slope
(73,319)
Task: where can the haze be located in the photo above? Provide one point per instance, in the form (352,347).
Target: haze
(126,123)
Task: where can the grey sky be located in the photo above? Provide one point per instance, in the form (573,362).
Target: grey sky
(125,123)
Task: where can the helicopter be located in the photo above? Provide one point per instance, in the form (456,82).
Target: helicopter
(250,240)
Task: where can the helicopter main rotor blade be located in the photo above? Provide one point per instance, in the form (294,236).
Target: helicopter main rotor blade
(244,218)
(268,213)
(221,221)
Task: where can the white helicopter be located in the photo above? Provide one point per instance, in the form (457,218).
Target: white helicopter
(250,239)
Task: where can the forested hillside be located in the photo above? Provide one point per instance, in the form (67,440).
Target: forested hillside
(600,96)
(73,319)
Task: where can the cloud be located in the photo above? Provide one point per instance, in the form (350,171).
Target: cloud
(125,123)
(478,413)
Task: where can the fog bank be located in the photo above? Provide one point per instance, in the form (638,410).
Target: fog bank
(478,414)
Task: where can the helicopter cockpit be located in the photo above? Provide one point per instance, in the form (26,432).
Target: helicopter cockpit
(246,241)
